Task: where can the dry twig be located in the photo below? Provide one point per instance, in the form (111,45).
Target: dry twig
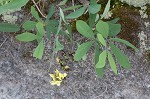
(38,9)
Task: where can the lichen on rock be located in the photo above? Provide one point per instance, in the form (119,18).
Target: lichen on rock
(9,17)
(136,3)
(143,38)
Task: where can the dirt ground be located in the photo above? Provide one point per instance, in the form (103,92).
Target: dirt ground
(24,77)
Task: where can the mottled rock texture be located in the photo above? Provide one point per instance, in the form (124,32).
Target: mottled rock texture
(136,3)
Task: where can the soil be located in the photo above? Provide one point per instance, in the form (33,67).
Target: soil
(24,77)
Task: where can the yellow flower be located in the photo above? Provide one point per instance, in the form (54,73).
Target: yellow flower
(58,60)
(56,83)
(57,78)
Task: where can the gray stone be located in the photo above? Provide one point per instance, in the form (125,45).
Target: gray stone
(136,3)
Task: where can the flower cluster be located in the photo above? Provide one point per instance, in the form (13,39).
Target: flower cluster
(57,78)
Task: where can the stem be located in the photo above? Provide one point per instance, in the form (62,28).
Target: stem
(38,9)
(52,57)
(53,54)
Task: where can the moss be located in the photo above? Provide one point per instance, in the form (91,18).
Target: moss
(148,55)
(126,14)
(129,24)
(73,25)
(148,9)
(129,28)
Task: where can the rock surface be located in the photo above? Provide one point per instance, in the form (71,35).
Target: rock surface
(23,77)
(136,3)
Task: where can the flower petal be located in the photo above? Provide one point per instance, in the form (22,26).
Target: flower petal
(56,83)
(53,76)
(57,72)
(63,75)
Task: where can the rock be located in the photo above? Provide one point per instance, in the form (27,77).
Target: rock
(136,3)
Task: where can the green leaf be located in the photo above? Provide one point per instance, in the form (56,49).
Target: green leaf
(84,29)
(114,29)
(7,27)
(93,9)
(112,63)
(40,28)
(97,53)
(35,14)
(76,14)
(72,7)
(106,9)
(29,25)
(92,18)
(100,72)
(63,2)
(82,50)
(68,30)
(38,53)
(39,37)
(114,20)
(97,18)
(53,23)
(51,27)
(101,39)
(102,28)
(85,56)
(62,15)
(102,60)
(58,46)
(50,12)
(14,4)
(93,2)
(121,57)
(59,26)
(125,42)
(26,37)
